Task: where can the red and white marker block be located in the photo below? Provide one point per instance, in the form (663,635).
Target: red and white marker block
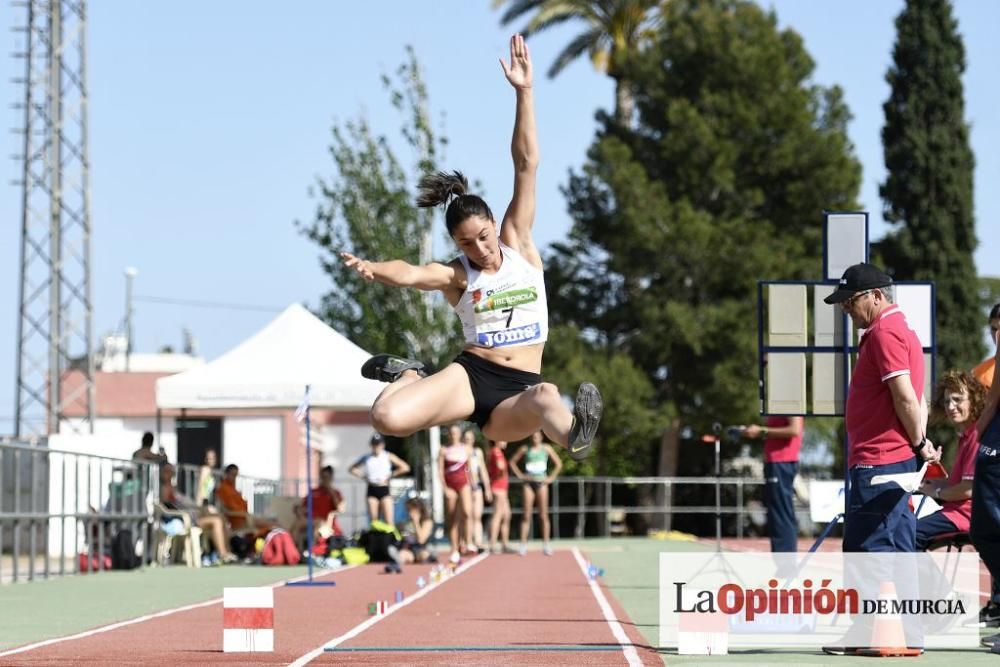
(703,634)
(248,620)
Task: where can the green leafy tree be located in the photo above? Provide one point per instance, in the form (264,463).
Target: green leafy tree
(928,191)
(367,208)
(614,30)
(722,183)
(630,424)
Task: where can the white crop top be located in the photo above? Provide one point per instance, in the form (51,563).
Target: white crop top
(507,308)
(378,469)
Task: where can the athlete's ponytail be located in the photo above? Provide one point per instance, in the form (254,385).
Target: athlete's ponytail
(451,189)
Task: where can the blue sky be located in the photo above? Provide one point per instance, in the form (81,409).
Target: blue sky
(210,121)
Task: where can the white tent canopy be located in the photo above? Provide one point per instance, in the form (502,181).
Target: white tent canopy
(272,367)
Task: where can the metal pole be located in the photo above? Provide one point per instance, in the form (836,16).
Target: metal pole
(739,508)
(17,510)
(718,495)
(25,215)
(607,508)
(55,217)
(130,274)
(309,502)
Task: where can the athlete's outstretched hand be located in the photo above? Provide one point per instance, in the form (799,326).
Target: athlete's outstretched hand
(362,266)
(519,70)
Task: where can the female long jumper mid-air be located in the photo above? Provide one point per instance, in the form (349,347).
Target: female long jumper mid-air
(497,288)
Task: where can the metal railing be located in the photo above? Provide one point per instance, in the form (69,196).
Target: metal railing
(606,506)
(60,509)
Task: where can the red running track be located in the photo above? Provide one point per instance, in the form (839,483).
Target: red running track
(503,601)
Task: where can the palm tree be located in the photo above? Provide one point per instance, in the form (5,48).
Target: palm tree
(615,28)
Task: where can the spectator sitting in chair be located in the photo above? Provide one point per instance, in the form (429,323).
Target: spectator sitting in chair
(235,506)
(959,399)
(206,518)
(327,503)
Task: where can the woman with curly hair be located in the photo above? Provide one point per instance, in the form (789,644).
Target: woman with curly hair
(958,400)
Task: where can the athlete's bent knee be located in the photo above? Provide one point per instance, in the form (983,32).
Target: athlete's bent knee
(386,422)
(545,392)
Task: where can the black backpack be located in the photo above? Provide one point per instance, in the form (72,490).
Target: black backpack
(123,551)
(377,540)
(241,546)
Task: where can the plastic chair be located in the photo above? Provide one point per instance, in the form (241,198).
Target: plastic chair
(165,540)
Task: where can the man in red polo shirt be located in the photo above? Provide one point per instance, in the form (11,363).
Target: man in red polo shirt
(885,417)
(782,442)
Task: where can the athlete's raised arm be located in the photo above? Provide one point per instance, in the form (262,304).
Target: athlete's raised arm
(515,230)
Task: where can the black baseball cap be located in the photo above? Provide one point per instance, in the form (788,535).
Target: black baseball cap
(858,278)
(376,438)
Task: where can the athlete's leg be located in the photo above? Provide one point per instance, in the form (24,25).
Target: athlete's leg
(466,499)
(543,513)
(372,508)
(412,403)
(529,506)
(386,504)
(541,406)
(503,507)
(451,516)
(538,407)
(495,519)
(477,518)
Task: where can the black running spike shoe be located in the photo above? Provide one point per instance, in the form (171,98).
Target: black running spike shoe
(587,412)
(388,367)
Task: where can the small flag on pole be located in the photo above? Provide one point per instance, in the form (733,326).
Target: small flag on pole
(303,409)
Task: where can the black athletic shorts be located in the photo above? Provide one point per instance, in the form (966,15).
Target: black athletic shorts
(492,384)
(377,492)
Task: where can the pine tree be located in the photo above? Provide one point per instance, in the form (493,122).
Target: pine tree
(928,191)
(722,183)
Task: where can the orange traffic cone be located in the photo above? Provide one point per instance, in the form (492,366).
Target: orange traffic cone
(888,636)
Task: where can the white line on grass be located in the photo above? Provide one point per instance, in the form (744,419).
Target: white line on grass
(361,627)
(149,617)
(631,655)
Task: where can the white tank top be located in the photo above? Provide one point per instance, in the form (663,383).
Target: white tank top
(378,468)
(507,308)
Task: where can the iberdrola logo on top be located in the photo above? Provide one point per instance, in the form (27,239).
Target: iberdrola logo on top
(509,299)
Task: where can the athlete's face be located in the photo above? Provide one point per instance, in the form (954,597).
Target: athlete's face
(536,438)
(476,237)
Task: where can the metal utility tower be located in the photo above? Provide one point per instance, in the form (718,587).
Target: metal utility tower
(55,365)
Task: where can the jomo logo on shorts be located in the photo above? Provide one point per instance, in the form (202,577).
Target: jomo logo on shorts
(509,336)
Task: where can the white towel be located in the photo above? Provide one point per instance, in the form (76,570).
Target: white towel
(908,481)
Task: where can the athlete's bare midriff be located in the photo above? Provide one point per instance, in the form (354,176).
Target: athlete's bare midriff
(526,358)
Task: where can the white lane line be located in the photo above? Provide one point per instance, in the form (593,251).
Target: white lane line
(149,617)
(631,655)
(361,627)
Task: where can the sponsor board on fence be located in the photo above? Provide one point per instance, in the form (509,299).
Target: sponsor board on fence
(724,601)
